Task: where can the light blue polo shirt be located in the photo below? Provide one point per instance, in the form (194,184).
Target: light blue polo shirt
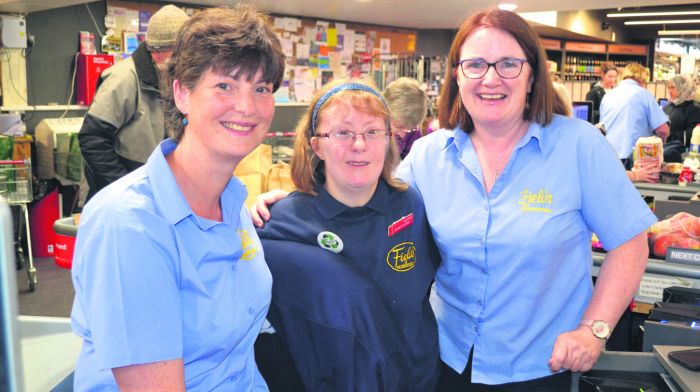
(629,112)
(516,263)
(155,282)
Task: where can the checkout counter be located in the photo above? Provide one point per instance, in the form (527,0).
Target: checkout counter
(667,191)
(650,370)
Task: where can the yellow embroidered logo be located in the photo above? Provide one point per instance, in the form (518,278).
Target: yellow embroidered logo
(247,245)
(539,201)
(402,257)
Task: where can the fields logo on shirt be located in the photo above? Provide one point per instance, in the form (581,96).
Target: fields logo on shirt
(540,201)
(402,257)
(249,250)
(330,241)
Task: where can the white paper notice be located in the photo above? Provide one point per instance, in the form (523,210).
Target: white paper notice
(360,43)
(303,51)
(287,47)
(652,286)
(291,24)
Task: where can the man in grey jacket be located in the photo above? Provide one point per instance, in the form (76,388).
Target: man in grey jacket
(125,120)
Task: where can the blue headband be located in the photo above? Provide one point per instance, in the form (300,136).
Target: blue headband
(337,89)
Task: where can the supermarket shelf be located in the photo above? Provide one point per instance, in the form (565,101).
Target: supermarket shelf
(42,108)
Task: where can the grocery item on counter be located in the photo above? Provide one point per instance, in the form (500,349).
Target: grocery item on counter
(679,231)
(649,153)
(685,176)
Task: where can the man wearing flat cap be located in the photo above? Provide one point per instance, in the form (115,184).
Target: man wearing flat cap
(125,120)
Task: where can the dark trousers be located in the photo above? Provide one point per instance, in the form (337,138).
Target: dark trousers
(451,381)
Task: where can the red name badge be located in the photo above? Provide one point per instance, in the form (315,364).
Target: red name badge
(400,224)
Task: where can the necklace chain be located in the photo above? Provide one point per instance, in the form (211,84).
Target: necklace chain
(502,163)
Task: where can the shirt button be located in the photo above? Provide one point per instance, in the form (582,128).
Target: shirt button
(251,310)
(476,329)
(481,241)
(480,302)
(483,271)
(486,206)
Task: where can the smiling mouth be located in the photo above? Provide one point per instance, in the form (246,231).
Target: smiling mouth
(356,163)
(492,97)
(238,127)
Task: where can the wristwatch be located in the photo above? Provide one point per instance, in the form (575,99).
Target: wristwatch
(600,328)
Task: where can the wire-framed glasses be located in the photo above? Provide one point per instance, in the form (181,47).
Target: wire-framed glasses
(346,135)
(509,68)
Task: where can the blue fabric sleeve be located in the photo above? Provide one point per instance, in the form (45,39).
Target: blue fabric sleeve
(131,287)
(611,206)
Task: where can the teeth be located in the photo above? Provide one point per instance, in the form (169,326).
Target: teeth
(357,163)
(492,96)
(237,127)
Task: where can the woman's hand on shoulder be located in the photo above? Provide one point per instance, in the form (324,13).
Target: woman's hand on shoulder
(576,350)
(260,211)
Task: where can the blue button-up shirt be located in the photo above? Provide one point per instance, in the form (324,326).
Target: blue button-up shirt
(516,261)
(629,112)
(155,282)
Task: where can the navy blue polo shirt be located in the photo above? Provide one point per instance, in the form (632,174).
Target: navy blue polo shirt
(318,247)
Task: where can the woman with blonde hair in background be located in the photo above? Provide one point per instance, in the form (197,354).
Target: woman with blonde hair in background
(408,104)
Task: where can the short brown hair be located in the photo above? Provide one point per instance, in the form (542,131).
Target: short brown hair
(222,39)
(607,66)
(541,99)
(308,170)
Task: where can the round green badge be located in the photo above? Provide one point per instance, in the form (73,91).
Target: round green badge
(330,241)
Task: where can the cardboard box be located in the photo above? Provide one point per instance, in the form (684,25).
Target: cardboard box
(22,148)
(45,133)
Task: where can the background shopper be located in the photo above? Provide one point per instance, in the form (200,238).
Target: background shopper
(629,112)
(608,81)
(408,104)
(124,122)
(683,115)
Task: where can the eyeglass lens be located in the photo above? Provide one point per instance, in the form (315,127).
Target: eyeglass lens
(506,68)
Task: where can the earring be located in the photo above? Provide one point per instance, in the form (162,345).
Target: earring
(184,121)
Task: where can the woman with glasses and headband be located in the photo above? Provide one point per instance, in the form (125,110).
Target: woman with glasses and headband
(351,255)
(512,192)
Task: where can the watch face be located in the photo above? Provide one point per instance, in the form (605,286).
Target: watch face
(600,329)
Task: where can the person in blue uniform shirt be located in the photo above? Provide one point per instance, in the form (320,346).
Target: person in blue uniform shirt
(629,112)
(512,192)
(351,254)
(171,285)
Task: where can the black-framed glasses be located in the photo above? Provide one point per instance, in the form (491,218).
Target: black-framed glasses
(346,135)
(509,68)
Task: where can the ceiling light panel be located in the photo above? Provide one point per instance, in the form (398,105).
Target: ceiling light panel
(649,14)
(652,22)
